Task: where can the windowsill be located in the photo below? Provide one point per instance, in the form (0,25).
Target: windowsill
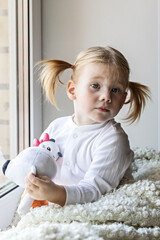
(7,188)
(9,198)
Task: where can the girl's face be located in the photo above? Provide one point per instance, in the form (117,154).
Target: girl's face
(97,94)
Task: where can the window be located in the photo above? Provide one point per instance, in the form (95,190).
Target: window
(20,20)
(20,93)
(14,80)
(4,87)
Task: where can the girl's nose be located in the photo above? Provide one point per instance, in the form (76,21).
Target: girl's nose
(105,96)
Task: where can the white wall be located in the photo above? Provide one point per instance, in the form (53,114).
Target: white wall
(131,26)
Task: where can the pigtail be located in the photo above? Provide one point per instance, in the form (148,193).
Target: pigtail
(50,75)
(139,94)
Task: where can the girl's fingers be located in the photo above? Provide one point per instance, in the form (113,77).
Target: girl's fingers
(45,178)
(30,186)
(34,180)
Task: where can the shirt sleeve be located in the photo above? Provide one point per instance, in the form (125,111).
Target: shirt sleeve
(111,159)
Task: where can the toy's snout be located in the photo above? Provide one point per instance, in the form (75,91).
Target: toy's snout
(5,165)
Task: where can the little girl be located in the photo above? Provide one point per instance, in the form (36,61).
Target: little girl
(95,149)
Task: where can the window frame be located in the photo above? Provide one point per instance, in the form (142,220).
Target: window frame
(13,78)
(23,73)
(158,75)
(25,52)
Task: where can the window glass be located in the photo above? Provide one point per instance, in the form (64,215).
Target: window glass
(4,88)
(14,80)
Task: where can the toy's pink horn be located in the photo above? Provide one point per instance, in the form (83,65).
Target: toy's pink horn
(36,142)
(46,137)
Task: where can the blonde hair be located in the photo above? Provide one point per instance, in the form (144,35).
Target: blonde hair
(52,70)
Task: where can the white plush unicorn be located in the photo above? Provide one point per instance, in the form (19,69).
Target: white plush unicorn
(40,160)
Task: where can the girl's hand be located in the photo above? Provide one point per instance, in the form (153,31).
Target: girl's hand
(42,188)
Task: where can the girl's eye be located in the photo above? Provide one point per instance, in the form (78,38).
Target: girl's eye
(115,90)
(48,148)
(95,86)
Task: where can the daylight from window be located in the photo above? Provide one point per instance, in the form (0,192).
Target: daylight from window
(4,89)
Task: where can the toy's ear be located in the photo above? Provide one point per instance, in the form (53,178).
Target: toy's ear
(5,165)
(71,90)
(59,154)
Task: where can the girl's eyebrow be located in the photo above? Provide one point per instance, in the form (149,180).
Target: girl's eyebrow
(96,77)
(99,77)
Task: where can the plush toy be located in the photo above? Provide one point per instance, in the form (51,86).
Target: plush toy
(40,160)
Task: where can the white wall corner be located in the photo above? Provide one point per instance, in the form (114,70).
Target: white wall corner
(159,75)
(13,77)
(35,56)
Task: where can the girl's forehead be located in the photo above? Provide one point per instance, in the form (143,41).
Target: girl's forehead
(97,70)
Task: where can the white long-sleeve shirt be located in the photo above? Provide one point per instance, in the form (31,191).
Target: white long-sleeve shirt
(94,158)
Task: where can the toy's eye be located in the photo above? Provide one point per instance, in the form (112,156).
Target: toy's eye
(48,148)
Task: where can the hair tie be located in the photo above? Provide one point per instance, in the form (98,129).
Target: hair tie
(72,66)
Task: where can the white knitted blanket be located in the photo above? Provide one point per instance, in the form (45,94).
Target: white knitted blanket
(132,211)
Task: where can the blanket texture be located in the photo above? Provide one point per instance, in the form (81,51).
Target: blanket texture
(131,211)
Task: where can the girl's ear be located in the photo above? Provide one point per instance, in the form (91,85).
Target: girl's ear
(125,96)
(71,90)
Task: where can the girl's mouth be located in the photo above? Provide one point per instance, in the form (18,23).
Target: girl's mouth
(101,109)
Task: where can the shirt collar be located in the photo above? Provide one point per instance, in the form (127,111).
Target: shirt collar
(88,127)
